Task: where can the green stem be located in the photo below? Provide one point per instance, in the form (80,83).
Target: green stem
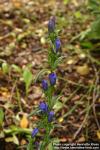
(19,100)
(46,138)
(49,97)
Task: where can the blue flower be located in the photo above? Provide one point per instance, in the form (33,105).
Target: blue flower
(43,106)
(57,44)
(50,116)
(51,24)
(44,85)
(52,78)
(34,132)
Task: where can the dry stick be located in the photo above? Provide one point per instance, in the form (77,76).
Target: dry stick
(95,96)
(74,107)
(76,84)
(79,129)
(95,93)
(3,106)
(77,132)
(12,90)
(92,59)
(86,116)
(68,98)
(19,100)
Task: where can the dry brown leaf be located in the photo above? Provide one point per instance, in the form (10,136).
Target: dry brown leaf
(82,70)
(1,73)
(5,93)
(17,3)
(81,139)
(23,142)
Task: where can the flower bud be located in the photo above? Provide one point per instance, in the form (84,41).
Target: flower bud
(51,25)
(52,78)
(43,107)
(44,85)
(57,44)
(34,132)
(50,116)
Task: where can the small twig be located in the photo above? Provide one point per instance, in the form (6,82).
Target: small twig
(77,84)
(86,116)
(80,128)
(19,100)
(3,106)
(92,59)
(95,96)
(12,91)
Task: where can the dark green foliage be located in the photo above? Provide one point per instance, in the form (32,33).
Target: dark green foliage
(94,7)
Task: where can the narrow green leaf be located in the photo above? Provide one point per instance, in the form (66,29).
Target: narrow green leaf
(59,60)
(42,72)
(1,116)
(28,77)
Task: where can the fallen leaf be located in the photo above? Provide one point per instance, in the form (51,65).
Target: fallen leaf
(23,142)
(60,120)
(17,3)
(24,122)
(63,139)
(82,70)
(9,139)
(81,139)
(98,134)
(13,139)
(43,40)
(5,93)
(70,61)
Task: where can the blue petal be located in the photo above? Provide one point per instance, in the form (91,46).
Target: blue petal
(52,78)
(34,132)
(50,116)
(44,84)
(43,107)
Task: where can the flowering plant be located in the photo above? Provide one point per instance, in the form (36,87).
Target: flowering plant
(45,109)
